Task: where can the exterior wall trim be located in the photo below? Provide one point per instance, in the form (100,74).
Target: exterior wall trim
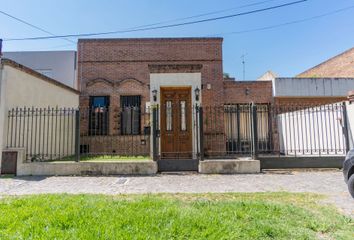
(175,68)
(99,80)
(2,107)
(197,39)
(193,80)
(34,73)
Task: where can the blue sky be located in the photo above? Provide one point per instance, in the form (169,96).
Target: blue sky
(286,50)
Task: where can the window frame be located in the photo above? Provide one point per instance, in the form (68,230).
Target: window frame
(133,108)
(102,114)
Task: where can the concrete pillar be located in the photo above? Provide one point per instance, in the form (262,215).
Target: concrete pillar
(2,110)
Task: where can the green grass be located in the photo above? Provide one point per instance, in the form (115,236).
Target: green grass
(99,158)
(103,158)
(7,175)
(172,216)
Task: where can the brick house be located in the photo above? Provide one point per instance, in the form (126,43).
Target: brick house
(123,80)
(168,98)
(118,73)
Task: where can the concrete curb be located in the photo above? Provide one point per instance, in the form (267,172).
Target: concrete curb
(233,166)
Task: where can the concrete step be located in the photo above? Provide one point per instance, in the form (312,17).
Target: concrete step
(176,165)
(229,166)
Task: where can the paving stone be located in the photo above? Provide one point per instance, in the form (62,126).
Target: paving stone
(330,183)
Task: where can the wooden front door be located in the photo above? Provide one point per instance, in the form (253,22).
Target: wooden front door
(176,123)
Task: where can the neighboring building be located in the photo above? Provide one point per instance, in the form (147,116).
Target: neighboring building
(268,76)
(22,87)
(340,66)
(311,90)
(58,65)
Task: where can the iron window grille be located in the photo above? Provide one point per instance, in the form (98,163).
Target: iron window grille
(130,115)
(98,115)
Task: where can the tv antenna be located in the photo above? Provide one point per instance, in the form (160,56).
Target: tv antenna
(244,65)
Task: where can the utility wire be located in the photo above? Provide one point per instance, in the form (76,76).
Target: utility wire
(33,26)
(273,26)
(152,24)
(160,27)
(285,24)
(204,14)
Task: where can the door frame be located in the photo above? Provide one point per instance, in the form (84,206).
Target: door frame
(176,79)
(175,118)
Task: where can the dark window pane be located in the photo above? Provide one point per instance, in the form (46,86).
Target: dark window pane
(99,101)
(98,115)
(130,117)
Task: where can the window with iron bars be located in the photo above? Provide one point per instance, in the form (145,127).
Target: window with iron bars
(238,122)
(98,115)
(130,115)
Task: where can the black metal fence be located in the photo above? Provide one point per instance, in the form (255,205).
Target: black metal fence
(112,132)
(45,133)
(229,130)
(283,130)
(218,132)
(308,130)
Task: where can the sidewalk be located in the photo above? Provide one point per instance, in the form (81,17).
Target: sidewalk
(330,183)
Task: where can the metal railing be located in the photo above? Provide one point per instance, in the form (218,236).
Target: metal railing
(308,130)
(115,131)
(282,130)
(45,133)
(226,131)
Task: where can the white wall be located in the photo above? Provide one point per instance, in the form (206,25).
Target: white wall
(61,64)
(312,87)
(21,89)
(2,110)
(312,131)
(350,115)
(193,80)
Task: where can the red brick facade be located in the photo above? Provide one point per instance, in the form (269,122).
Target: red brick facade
(248,91)
(116,67)
(119,67)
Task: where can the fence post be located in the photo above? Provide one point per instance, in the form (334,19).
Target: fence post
(345,127)
(154,133)
(201,133)
(77,135)
(254,131)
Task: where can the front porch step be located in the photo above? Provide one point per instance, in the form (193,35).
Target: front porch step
(176,165)
(229,166)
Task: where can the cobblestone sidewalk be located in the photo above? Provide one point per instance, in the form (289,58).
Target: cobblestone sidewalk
(330,183)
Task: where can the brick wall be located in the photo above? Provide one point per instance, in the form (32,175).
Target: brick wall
(341,65)
(248,91)
(118,67)
(111,61)
(137,145)
(307,101)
